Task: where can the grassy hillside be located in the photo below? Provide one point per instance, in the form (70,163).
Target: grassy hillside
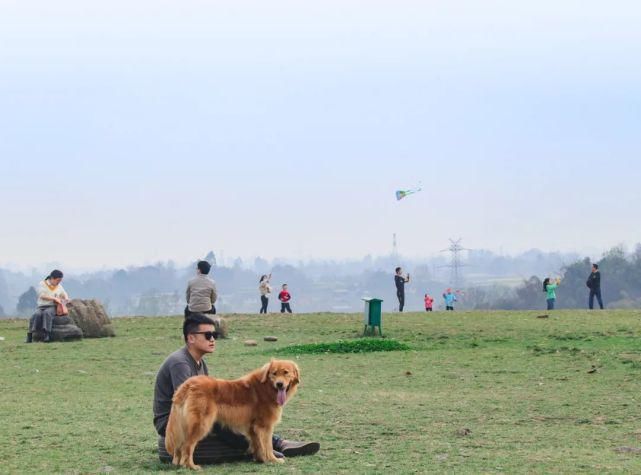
(477,392)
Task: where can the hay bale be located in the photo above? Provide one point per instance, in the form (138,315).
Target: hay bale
(251,343)
(270,338)
(91,317)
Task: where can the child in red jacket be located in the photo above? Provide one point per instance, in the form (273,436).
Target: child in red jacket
(284,296)
(428,303)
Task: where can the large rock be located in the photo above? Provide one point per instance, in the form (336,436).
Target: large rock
(221,326)
(66,332)
(91,317)
(62,330)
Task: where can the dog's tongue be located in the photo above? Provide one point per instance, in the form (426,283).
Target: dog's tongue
(280,398)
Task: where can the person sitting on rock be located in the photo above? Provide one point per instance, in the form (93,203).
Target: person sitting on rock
(50,293)
(201,291)
(200,339)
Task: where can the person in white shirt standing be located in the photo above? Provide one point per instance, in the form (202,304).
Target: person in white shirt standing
(265,289)
(201,291)
(50,293)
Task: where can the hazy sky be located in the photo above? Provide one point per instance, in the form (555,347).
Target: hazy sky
(138,131)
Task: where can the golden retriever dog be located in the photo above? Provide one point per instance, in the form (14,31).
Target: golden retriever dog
(251,405)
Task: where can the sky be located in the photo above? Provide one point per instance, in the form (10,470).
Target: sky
(133,132)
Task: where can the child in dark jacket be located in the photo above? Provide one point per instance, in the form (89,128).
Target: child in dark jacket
(284,296)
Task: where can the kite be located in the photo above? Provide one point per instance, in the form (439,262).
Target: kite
(400,194)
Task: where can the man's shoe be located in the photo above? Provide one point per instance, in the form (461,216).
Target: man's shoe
(278,454)
(292,448)
(47,337)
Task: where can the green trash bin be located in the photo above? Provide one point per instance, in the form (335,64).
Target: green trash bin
(372,316)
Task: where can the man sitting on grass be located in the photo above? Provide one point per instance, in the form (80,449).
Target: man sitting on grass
(221,444)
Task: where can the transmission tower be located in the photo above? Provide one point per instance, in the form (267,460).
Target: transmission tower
(455,249)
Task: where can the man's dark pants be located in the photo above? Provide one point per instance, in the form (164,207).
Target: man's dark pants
(598,298)
(284,306)
(221,445)
(209,312)
(401,299)
(263,304)
(235,440)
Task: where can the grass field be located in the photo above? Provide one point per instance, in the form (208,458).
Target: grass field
(535,395)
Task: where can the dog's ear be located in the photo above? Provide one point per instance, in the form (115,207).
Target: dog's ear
(296,373)
(264,371)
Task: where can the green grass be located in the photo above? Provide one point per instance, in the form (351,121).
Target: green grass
(361,345)
(519,384)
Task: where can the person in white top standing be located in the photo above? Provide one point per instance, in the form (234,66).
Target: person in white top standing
(50,293)
(265,289)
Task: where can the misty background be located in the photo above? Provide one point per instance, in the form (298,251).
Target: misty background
(132,133)
(487,281)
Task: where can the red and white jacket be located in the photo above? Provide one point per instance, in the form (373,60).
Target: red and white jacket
(284,296)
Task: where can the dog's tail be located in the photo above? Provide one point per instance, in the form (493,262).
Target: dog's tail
(181,393)
(170,443)
(174,433)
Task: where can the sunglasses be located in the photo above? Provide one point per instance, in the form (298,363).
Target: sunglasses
(207,335)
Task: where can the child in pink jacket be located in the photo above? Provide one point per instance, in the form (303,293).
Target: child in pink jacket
(428,303)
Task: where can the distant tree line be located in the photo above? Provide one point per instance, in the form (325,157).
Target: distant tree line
(326,285)
(620,284)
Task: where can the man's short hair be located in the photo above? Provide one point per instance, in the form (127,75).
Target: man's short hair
(204,267)
(596,266)
(398,269)
(193,321)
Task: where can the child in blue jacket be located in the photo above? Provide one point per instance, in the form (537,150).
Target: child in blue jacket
(450,298)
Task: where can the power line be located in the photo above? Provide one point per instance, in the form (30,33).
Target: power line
(455,249)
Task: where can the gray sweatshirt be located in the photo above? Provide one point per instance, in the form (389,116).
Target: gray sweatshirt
(178,367)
